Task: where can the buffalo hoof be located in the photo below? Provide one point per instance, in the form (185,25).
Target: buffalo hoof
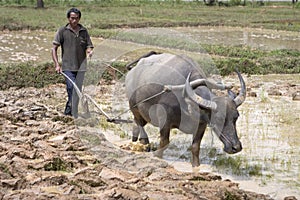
(159,152)
(134,139)
(144,141)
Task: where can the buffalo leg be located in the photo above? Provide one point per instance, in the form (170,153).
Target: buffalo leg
(140,131)
(135,133)
(196,145)
(143,135)
(164,141)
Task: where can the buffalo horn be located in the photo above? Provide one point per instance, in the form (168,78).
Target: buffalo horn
(197,83)
(189,92)
(242,94)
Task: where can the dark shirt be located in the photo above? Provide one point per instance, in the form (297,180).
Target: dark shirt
(73,46)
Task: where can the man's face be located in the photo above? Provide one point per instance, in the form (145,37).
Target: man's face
(74,19)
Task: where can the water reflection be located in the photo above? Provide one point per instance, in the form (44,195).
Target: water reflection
(270,131)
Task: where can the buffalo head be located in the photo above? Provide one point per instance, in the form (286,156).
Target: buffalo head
(222,114)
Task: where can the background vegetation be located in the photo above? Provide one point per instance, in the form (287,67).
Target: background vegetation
(108,14)
(104,18)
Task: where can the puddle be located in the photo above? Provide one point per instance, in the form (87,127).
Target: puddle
(270,131)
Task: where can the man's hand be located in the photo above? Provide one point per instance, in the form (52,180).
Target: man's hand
(89,52)
(58,68)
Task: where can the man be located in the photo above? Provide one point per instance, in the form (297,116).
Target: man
(76,45)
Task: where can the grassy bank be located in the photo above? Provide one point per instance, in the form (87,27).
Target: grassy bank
(28,75)
(253,61)
(225,59)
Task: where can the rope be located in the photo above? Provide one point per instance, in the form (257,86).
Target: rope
(147,99)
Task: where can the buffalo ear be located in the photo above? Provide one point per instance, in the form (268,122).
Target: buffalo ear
(231,94)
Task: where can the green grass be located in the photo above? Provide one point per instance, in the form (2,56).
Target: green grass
(238,166)
(99,15)
(225,59)
(28,75)
(230,196)
(57,164)
(4,169)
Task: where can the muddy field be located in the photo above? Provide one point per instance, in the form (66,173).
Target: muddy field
(45,155)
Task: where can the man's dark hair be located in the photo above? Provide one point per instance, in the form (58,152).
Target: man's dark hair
(74,10)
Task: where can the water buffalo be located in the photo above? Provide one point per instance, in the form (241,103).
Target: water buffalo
(171,91)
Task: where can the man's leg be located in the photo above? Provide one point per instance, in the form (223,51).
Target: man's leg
(72,76)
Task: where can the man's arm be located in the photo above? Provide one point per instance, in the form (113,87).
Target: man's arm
(55,58)
(90,46)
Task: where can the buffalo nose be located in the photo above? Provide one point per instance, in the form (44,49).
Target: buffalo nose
(237,148)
